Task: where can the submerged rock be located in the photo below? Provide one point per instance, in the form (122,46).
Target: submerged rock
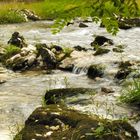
(17,40)
(118,50)
(101,51)
(82,25)
(79,48)
(55,95)
(95,71)
(56,122)
(100,40)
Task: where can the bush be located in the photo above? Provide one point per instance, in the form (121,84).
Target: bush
(131,93)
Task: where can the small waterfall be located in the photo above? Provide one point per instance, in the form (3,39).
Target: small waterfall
(80,70)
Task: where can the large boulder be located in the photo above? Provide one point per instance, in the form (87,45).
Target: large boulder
(17,40)
(56,122)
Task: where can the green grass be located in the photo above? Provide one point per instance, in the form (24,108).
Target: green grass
(48,9)
(11,51)
(131,93)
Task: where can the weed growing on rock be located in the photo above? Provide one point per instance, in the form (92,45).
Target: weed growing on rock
(11,51)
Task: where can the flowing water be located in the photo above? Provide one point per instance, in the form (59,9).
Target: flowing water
(23,92)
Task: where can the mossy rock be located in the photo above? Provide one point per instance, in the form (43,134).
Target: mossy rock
(123,73)
(101,51)
(95,71)
(57,95)
(118,50)
(100,40)
(56,122)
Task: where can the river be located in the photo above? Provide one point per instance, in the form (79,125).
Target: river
(23,92)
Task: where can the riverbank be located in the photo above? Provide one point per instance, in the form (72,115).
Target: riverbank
(45,9)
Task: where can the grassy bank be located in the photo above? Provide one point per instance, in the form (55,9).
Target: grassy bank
(47,9)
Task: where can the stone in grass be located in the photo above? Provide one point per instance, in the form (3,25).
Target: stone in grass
(101,51)
(56,122)
(95,71)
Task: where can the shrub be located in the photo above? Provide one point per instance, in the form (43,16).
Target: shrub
(131,93)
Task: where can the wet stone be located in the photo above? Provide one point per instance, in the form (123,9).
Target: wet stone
(56,122)
(95,71)
(100,40)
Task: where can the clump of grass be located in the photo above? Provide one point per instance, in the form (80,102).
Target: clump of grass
(7,16)
(131,93)
(10,51)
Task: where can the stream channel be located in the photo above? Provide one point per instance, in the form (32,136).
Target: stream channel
(23,92)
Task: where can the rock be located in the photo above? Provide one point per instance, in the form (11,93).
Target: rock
(100,40)
(107,90)
(23,60)
(79,48)
(57,48)
(118,50)
(57,122)
(125,64)
(2,81)
(124,26)
(95,71)
(54,96)
(129,22)
(48,57)
(30,15)
(17,40)
(82,25)
(101,51)
(68,67)
(122,74)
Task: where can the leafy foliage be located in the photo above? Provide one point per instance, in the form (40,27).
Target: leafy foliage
(131,93)
(105,10)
